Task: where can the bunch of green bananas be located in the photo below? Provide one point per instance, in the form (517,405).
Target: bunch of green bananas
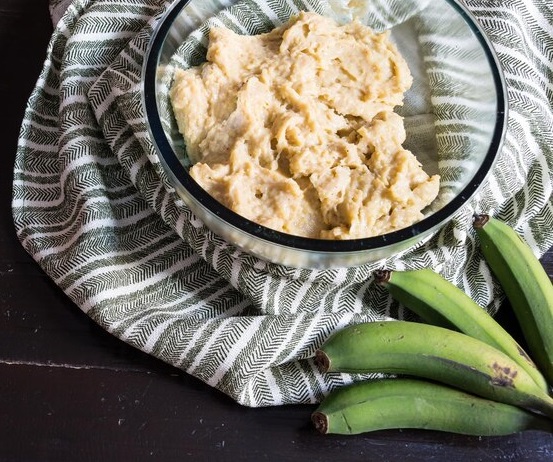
(459,371)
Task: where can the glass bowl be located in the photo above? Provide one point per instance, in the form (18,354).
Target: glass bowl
(455,118)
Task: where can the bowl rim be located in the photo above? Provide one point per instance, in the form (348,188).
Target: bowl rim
(427,224)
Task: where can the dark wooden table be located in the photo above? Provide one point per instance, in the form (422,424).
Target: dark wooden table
(71,391)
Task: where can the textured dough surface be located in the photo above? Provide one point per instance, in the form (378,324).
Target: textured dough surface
(295,129)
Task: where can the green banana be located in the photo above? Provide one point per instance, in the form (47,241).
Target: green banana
(435,353)
(526,284)
(410,403)
(437,301)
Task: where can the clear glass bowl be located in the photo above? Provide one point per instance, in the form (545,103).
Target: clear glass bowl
(455,121)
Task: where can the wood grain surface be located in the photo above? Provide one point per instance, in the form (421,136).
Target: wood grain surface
(71,391)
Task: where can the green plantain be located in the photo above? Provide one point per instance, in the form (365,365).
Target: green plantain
(410,403)
(435,353)
(526,284)
(437,301)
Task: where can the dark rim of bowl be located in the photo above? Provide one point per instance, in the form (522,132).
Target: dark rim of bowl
(311,244)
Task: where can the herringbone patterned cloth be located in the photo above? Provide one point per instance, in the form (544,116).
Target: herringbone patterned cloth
(93,207)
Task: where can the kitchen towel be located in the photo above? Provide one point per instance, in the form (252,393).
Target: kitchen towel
(93,207)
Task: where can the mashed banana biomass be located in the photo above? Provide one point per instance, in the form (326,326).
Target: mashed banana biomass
(295,130)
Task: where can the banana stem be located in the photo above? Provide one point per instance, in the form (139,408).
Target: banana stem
(480,220)
(322,361)
(320,421)
(382,276)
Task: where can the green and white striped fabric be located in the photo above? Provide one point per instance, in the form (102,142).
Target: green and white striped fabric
(93,207)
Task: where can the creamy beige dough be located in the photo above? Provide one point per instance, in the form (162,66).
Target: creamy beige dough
(296,130)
